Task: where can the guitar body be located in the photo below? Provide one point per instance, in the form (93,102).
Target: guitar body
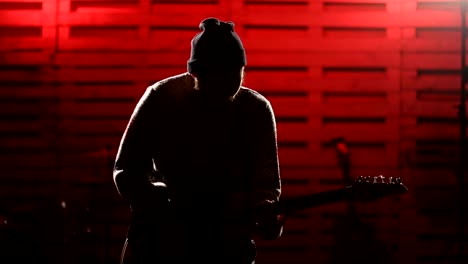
(158,235)
(146,245)
(155,238)
(151,234)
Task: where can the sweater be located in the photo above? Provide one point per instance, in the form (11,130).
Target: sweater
(217,160)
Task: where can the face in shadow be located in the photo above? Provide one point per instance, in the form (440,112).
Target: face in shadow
(219,84)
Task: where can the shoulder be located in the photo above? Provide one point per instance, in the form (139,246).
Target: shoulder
(174,86)
(253,98)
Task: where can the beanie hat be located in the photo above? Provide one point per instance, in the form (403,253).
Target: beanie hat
(216,47)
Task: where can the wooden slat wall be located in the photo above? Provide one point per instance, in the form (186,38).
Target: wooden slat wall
(382,74)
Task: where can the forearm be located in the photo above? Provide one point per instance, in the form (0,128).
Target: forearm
(133,163)
(267,180)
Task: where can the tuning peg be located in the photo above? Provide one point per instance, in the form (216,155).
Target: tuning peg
(379,179)
(398,180)
(391,180)
(360,179)
(368,179)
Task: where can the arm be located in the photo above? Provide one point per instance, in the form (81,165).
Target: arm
(133,162)
(266,182)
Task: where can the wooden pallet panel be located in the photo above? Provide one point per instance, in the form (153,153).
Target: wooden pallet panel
(152,26)
(326,77)
(428,37)
(36,32)
(307,34)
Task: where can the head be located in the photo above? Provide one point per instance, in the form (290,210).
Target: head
(217,60)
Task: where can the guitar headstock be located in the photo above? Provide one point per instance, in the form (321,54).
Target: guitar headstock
(367,187)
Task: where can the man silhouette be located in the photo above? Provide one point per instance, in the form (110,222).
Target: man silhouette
(211,144)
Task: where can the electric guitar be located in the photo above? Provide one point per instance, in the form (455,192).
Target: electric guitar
(362,189)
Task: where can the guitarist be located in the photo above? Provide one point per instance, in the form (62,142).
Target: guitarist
(211,145)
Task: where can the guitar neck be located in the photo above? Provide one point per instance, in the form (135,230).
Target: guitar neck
(289,205)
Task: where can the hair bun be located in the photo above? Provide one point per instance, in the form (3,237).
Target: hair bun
(209,24)
(228,26)
(212,24)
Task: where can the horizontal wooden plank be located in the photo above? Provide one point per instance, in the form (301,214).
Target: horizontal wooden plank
(432,177)
(353,59)
(311,108)
(101,91)
(303,18)
(31,143)
(358,132)
(35,18)
(94,75)
(40,108)
(100,44)
(11,126)
(306,84)
(411,81)
(434,131)
(27,43)
(429,109)
(160,15)
(388,156)
(28,92)
(426,18)
(23,174)
(97,59)
(361,132)
(29,160)
(88,143)
(160,38)
(30,190)
(306,42)
(430,45)
(96,110)
(96,126)
(439,60)
(27,58)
